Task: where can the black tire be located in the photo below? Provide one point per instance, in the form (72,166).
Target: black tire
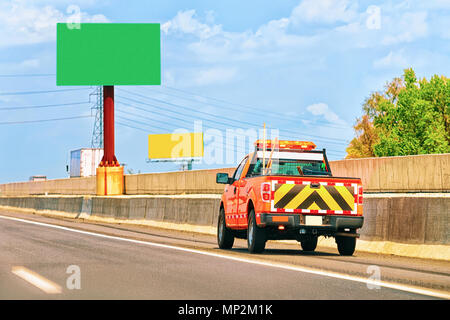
(346,245)
(310,244)
(256,236)
(225,237)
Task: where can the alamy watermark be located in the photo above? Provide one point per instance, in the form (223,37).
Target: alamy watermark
(373,282)
(222,147)
(74,18)
(73,282)
(373,21)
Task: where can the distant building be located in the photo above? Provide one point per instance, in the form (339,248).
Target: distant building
(38,178)
(84,162)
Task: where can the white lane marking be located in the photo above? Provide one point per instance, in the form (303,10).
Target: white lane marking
(36,280)
(391,285)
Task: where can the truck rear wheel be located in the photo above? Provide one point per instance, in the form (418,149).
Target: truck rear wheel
(346,245)
(225,237)
(309,244)
(256,236)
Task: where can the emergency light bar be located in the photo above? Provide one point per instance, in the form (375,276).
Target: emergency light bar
(286,144)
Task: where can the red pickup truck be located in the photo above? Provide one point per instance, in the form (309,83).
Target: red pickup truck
(285,190)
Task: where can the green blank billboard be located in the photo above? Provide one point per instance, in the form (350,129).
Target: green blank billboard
(108,54)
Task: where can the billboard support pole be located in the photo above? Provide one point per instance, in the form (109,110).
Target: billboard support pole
(109,157)
(110,179)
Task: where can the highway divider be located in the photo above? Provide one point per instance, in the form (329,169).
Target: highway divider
(414,225)
(420,173)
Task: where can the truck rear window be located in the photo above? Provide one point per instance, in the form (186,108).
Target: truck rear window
(289,167)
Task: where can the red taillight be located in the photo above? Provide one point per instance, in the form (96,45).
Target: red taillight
(360,195)
(265,191)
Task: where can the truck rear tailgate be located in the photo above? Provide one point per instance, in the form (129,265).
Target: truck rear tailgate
(323,196)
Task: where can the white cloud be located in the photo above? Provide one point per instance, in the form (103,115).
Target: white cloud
(398,24)
(213,44)
(429,5)
(392,60)
(275,34)
(407,28)
(29,64)
(322,109)
(185,22)
(199,76)
(324,11)
(217,75)
(282,38)
(20,66)
(22,23)
(168,78)
(291,39)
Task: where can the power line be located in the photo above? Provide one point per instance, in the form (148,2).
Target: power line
(44,106)
(165,115)
(165,130)
(174,118)
(150,119)
(27,75)
(129,126)
(159,121)
(230,149)
(161,101)
(258,111)
(136,121)
(155,112)
(326,139)
(43,120)
(229,119)
(174,89)
(177,113)
(192,94)
(170,124)
(39,92)
(233,148)
(161,128)
(194,110)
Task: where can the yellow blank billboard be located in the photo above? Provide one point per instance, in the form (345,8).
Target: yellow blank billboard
(175,145)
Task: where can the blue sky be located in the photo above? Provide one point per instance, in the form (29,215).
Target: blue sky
(303,67)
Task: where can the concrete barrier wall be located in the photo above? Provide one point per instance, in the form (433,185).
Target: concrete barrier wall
(74,186)
(60,204)
(407,219)
(403,219)
(421,173)
(195,211)
(182,182)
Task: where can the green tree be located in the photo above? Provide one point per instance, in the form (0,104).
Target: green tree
(362,145)
(367,136)
(409,117)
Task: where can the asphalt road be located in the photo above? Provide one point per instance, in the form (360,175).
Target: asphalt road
(122,262)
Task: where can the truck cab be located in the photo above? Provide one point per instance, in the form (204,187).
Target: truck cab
(286,190)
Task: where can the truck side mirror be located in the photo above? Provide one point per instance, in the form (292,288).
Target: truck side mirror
(222,178)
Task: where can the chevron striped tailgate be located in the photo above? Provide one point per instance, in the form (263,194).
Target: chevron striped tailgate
(324,198)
